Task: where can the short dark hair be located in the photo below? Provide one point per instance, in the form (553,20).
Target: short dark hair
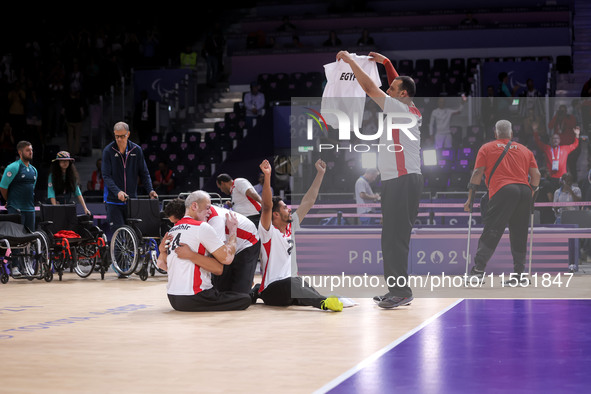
(408,84)
(22,145)
(223,178)
(276,201)
(175,208)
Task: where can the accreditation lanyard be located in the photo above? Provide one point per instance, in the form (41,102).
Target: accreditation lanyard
(555,158)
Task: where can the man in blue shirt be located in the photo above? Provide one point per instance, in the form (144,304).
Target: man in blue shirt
(18,185)
(123,162)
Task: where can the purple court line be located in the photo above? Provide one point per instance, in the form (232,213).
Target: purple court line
(485,346)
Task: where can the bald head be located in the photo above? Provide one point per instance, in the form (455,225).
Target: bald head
(503,129)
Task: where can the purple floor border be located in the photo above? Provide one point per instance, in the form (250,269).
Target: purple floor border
(484,346)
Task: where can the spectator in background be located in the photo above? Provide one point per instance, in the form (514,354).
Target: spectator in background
(96,182)
(163,178)
(567,192)
(213,50)
(531,99)
(333,40)
(259,186)
(365,39)
(526,134)
(439,125)
(563,124)
(188,58)
(254,104)
(556,154)
(271,42)
(295,42)
(365,195)
(505,95)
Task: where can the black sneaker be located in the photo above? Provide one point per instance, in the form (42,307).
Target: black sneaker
(393,302)
(254,293)
(377,299)
(474,273)
(516,280)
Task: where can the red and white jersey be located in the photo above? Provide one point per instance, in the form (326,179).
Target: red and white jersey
(246,235)
(278,253)
(241,203)
(408,159)
(185,277)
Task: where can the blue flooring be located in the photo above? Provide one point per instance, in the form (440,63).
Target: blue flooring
(488,346)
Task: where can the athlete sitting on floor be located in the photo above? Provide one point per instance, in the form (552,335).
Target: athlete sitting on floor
(280,285)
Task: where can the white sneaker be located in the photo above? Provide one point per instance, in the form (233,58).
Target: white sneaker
(14,271)
(571,268)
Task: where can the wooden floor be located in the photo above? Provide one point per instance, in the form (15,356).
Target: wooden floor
(110,336)
(88,335)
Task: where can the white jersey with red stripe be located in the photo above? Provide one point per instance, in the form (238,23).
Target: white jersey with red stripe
(240,201)
(278,253)
(246,235)
(185,277)
(408,159)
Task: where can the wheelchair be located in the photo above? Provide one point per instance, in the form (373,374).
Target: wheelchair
(134,246)
(29,248)
(75,243)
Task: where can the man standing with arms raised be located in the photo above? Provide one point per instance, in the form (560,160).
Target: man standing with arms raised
(402,181)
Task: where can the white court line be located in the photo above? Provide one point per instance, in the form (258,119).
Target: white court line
(340,379)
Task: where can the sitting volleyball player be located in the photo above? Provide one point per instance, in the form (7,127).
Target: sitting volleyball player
(280,285)
(239,275)
(189,285)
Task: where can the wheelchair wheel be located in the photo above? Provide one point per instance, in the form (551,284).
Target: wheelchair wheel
(42,255)
(153,258)
(85,261)
(124,250)
(4,278)
(30,264)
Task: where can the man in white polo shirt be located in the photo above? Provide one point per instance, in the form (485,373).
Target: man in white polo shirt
(245,199)
(401,177)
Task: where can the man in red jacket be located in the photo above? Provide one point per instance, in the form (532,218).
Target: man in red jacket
(556,154)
